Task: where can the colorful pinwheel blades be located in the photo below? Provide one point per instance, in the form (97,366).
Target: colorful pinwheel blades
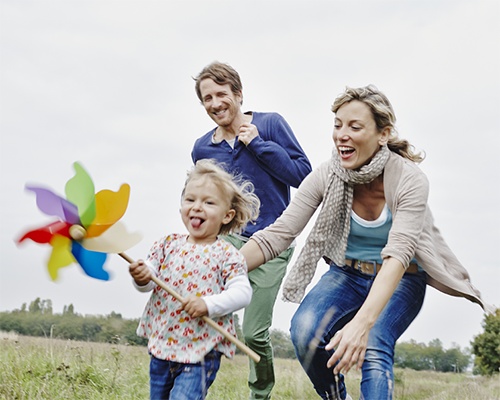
(95,215)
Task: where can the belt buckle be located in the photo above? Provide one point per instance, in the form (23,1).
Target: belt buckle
(374,263)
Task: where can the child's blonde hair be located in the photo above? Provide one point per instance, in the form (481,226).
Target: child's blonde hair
(240,193)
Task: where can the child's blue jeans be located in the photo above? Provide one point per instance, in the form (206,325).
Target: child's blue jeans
(177,381)
(330,305)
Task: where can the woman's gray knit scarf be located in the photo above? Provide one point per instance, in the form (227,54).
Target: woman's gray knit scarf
(328,237)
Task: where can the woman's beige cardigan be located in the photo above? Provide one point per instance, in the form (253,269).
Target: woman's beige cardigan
(413,233)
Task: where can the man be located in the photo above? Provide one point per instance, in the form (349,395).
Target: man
(262,148)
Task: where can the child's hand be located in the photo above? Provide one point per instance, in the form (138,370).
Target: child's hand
(195,306)
(140,272)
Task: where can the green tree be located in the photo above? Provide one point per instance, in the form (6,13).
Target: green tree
(412,355)
(486,346)
(282,344)
(46,306)
(90,329)
(69,310)
(11,322)
(434,353)
(129,334)
(35,306)
(419,356)
(455,360)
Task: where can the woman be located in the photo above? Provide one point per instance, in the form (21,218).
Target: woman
(377,233)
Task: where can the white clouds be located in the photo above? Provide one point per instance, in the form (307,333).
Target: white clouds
(110,84)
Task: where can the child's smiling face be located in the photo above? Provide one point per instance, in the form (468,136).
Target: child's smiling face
(204,209)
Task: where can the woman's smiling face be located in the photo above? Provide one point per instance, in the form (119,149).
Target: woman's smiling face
(356,135)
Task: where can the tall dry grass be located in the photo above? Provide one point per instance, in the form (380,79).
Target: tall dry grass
(37,368)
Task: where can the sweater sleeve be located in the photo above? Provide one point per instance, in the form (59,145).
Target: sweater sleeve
(237,294)
(278,236)
(279,152)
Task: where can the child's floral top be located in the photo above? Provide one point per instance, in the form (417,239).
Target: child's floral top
(187,268)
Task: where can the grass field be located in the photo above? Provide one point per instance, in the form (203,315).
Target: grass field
(37,368)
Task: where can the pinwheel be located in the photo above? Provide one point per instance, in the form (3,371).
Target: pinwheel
(88,228)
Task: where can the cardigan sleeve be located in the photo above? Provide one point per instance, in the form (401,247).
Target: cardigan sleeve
(407,190)
(279,235)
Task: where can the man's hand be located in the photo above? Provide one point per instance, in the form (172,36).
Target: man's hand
(247,133)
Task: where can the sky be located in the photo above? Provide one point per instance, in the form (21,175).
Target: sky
(109,84)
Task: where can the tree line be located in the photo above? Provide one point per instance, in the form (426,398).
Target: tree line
(38,319)
(431,356)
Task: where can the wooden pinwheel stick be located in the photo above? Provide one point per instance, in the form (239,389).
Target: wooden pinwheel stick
(253,355)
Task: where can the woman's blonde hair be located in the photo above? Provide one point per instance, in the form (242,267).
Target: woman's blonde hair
(239,193)
(384,116)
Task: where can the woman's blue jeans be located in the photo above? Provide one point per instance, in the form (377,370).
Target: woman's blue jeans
(330,305)
(177,381)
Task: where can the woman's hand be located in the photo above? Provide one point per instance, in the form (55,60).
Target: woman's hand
(350,347)
(351,341)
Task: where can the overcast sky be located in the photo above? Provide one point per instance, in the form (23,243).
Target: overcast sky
(109,84)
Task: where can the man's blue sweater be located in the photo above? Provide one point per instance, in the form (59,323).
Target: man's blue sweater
(273,162)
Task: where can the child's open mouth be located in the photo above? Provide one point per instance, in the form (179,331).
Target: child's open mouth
(196,222)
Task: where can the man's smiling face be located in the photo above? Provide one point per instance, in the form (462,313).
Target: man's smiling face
(220,103)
